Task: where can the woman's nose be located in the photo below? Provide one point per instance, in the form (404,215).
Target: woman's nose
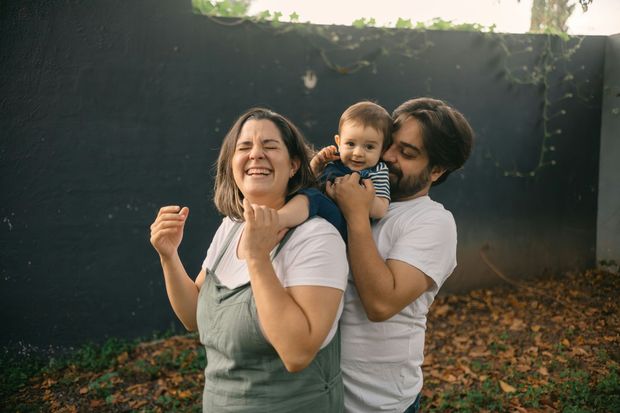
(256,152)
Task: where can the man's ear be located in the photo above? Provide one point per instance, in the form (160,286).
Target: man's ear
(436,172)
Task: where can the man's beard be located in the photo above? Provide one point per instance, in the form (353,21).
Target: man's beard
(403,187)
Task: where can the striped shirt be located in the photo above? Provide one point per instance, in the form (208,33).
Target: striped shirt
(378,174)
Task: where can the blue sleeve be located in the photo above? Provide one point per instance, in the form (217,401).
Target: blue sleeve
(321,205)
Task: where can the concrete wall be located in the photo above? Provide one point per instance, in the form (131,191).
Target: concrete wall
(608,223)
(110,109)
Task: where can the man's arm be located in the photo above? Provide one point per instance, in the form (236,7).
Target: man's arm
(385,287)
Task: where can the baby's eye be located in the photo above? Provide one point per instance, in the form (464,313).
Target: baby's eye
(370,147)
(350,144)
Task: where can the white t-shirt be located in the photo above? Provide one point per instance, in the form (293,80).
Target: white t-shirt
(381,361)
(315,254)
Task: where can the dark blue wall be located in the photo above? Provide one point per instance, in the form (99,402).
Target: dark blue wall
(110,109)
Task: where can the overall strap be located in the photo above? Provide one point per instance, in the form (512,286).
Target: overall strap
(282,242)
(229,238)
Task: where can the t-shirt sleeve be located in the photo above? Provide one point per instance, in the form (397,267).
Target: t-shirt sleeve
(381,180)
(315,255)
(430,246)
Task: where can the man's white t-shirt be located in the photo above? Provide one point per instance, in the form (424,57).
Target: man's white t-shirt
(315,254)
(381,361)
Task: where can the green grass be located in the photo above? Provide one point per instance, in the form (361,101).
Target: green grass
(18,368)
(576,393)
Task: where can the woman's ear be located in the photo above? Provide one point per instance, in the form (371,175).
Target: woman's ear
(295,163)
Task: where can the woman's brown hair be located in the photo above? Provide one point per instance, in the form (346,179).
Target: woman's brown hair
(228,198)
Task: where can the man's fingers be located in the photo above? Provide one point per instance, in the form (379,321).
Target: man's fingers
(368,185)
(329,188)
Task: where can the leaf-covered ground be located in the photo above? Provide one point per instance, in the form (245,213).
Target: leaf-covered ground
(551,345)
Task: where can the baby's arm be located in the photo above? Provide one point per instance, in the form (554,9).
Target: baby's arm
(294,212)
(379,207)
(322,158)
(381,182)
(311,202)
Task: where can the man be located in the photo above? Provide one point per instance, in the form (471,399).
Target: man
(399,263)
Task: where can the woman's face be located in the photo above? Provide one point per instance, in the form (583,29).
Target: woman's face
(261,163)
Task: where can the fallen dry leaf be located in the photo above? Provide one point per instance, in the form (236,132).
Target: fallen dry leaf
(506,388)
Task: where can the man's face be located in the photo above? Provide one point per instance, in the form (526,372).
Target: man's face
(407,161)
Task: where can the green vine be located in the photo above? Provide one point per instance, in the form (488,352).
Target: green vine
(540,76)
(558,49)
(327,39)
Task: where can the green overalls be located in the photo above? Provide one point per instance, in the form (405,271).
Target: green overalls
(244,373)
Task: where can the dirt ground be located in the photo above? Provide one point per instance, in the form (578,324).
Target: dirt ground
(551,345)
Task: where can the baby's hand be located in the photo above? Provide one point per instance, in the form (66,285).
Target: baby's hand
(322,158)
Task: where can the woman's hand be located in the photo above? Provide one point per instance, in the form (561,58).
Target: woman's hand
(325,155)
(261,233)
(167,230)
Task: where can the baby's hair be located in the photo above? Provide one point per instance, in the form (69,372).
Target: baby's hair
(369,114)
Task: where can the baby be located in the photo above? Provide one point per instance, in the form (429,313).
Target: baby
(364,132)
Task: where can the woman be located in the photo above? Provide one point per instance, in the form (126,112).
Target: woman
(266,315)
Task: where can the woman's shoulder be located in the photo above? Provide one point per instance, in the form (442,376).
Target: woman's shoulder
(315,233)
(317,243)
(315,227)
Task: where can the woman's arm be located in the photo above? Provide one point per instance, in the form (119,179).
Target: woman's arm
(295,320)
(166,236)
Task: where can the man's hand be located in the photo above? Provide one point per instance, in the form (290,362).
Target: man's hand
(353,199)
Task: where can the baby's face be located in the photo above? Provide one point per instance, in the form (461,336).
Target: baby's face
(359,146)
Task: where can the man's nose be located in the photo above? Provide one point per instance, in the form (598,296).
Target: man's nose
(388,155)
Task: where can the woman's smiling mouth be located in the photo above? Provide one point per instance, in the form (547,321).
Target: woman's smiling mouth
(257,171)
